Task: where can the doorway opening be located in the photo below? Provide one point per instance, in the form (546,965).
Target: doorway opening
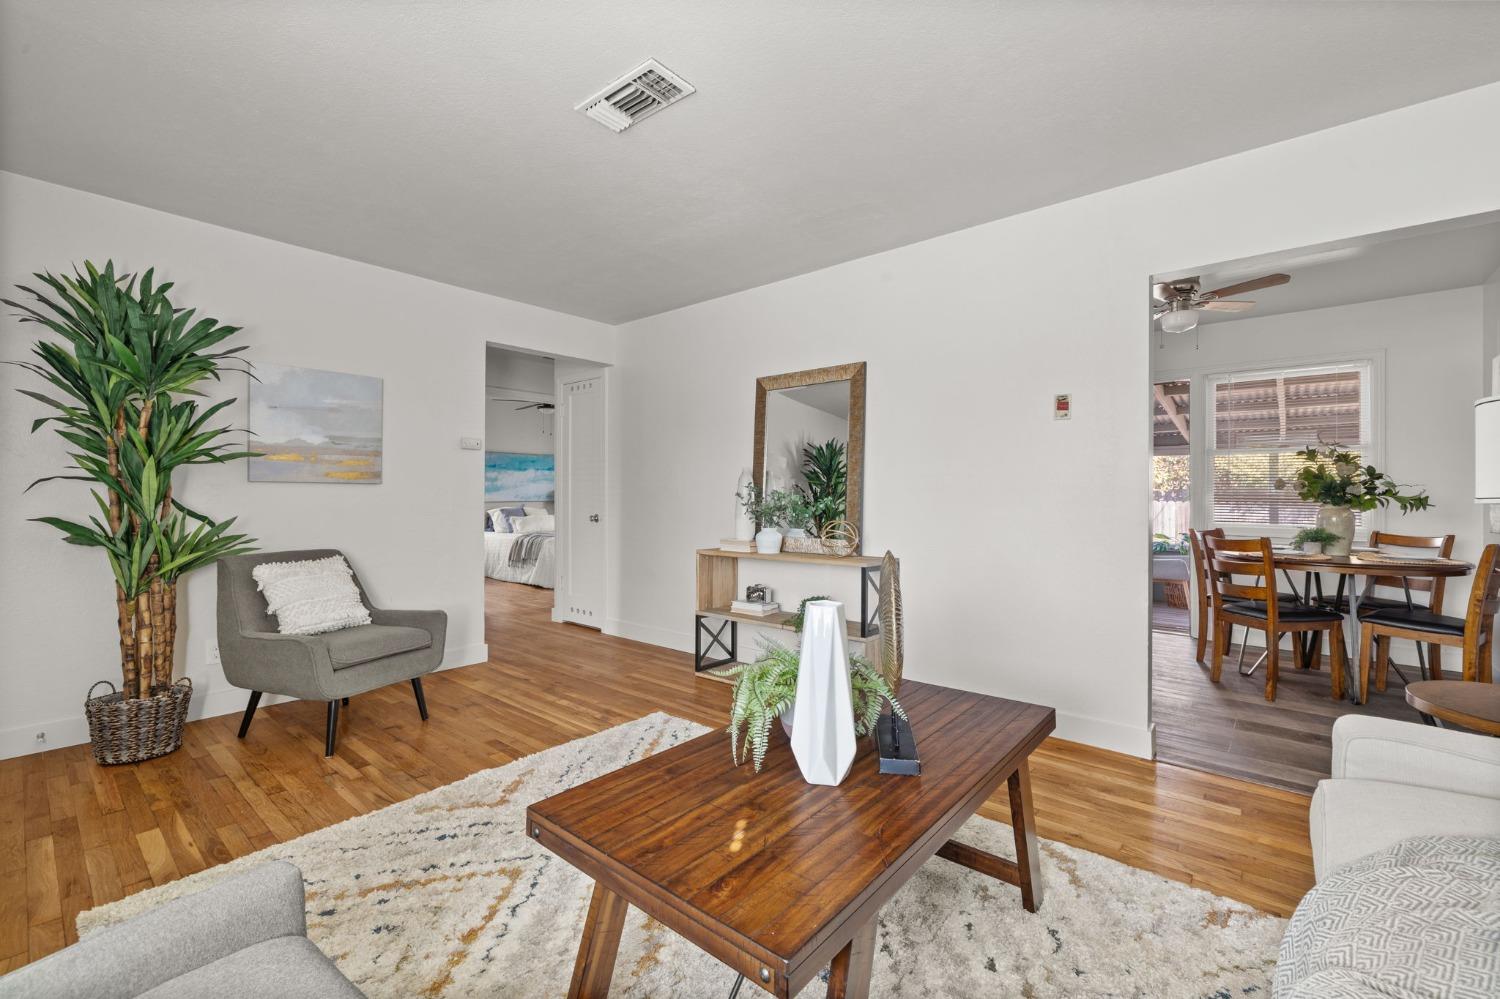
(544,480)
(1376,346)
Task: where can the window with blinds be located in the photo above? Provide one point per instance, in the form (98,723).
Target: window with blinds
(1260,420)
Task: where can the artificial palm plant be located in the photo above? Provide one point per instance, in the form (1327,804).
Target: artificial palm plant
(826,468)
(122,357)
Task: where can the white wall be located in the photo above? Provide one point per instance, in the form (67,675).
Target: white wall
(414,538)
(1424,347)
(524,376)
(995,508)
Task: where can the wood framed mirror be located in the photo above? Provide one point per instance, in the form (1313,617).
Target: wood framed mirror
(798,416)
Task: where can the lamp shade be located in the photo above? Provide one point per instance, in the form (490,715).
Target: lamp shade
(1487,450)
(1179,321)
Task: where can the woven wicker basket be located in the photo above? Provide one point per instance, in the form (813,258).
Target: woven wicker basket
(129,731)
(805,546)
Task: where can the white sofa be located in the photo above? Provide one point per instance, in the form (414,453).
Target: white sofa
(1392,780)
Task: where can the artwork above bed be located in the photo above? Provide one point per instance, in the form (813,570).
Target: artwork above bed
(509,477)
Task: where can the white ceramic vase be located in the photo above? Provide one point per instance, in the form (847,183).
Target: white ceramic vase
(1312,548)
(1339,520)
(823,735)
(768,541)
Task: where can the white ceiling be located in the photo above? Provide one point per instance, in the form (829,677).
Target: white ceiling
(439,138)
(1459,254)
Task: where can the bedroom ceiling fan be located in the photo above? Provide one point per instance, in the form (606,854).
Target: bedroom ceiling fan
(544,407)
(1179,302)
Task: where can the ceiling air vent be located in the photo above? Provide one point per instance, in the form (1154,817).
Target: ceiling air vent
(637,95)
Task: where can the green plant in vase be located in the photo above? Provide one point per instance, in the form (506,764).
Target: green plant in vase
(767,688)
(795,621)
(1335,478)
(1314,537)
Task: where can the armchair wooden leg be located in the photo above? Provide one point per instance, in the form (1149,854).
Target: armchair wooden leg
(416,686)
(249,712)
(333,727)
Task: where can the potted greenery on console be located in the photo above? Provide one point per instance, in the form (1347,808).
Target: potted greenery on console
(1335,479)
(121,357)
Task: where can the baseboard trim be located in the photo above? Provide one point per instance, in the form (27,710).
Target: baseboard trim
(1101,734)
(211,698)
(681,641)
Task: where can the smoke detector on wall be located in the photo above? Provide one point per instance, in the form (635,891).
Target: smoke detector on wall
(636,96)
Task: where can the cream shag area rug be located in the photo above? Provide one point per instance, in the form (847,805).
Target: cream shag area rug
(444,895)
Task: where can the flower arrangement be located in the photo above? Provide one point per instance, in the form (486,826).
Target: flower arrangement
(765,689)
(1333,476)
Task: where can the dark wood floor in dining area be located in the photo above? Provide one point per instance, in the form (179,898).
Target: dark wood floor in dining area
(1230,728)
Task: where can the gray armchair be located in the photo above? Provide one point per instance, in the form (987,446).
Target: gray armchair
(397,645)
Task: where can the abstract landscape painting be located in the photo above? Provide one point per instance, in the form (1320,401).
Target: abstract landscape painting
(511,476)
(314,426)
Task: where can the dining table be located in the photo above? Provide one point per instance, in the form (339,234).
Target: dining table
(1352,570)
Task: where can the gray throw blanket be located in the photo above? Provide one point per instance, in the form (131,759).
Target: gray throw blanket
(525,550)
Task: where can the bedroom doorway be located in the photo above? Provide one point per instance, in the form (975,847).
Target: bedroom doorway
(545,480)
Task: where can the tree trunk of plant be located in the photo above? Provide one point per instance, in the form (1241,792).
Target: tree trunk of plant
(129,668)
(168,641)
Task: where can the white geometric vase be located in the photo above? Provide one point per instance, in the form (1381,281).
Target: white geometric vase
(823,735)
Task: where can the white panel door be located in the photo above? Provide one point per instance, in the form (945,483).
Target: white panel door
(582,582)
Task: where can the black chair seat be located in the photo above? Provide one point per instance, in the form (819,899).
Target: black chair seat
(1285,612)
(1418,620)
(1369,605)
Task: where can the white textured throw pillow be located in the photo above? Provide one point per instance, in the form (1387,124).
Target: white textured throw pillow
(309,598)
(539,522)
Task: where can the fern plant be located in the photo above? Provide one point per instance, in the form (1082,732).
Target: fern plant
(765,689)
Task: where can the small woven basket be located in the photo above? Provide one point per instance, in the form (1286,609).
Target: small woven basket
(130,730)
(805,546)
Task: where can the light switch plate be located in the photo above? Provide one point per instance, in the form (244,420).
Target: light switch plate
(1062,407)
(471,443)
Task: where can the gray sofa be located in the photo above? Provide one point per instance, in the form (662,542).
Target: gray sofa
(396,646)
(1406,851)
(243,938)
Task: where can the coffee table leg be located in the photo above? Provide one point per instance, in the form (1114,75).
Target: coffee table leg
(596,951)
(849,974)
(1023,822)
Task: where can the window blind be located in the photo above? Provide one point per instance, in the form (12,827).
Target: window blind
(1261,419)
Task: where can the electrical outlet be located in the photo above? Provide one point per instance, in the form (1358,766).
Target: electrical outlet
(213,653)
(41,737)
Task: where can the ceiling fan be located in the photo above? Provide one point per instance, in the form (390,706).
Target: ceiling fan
(1179,302)
(544,407)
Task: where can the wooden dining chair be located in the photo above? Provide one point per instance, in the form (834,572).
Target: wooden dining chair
(1474,632)
(1201,583)
(1258,606)
(1426,592)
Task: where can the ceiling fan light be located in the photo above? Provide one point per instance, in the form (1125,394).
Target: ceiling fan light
(1179,321)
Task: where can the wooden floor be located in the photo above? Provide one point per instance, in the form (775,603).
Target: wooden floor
(74,835)
(1230,728)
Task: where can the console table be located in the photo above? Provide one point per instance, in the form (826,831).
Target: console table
(719,584)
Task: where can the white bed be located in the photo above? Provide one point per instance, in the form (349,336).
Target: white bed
(496,561)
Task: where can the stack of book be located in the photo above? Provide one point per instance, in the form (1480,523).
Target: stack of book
(755,608)
(736,545)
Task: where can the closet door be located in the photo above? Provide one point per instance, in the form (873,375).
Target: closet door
(581,587)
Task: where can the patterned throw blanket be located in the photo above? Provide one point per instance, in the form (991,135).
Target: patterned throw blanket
(526,548)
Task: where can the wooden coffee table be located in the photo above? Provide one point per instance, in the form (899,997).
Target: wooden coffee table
(1459,702)
(776,877)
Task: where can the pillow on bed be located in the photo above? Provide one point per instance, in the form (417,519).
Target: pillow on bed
(537,511)
(311,597)
(542,522)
